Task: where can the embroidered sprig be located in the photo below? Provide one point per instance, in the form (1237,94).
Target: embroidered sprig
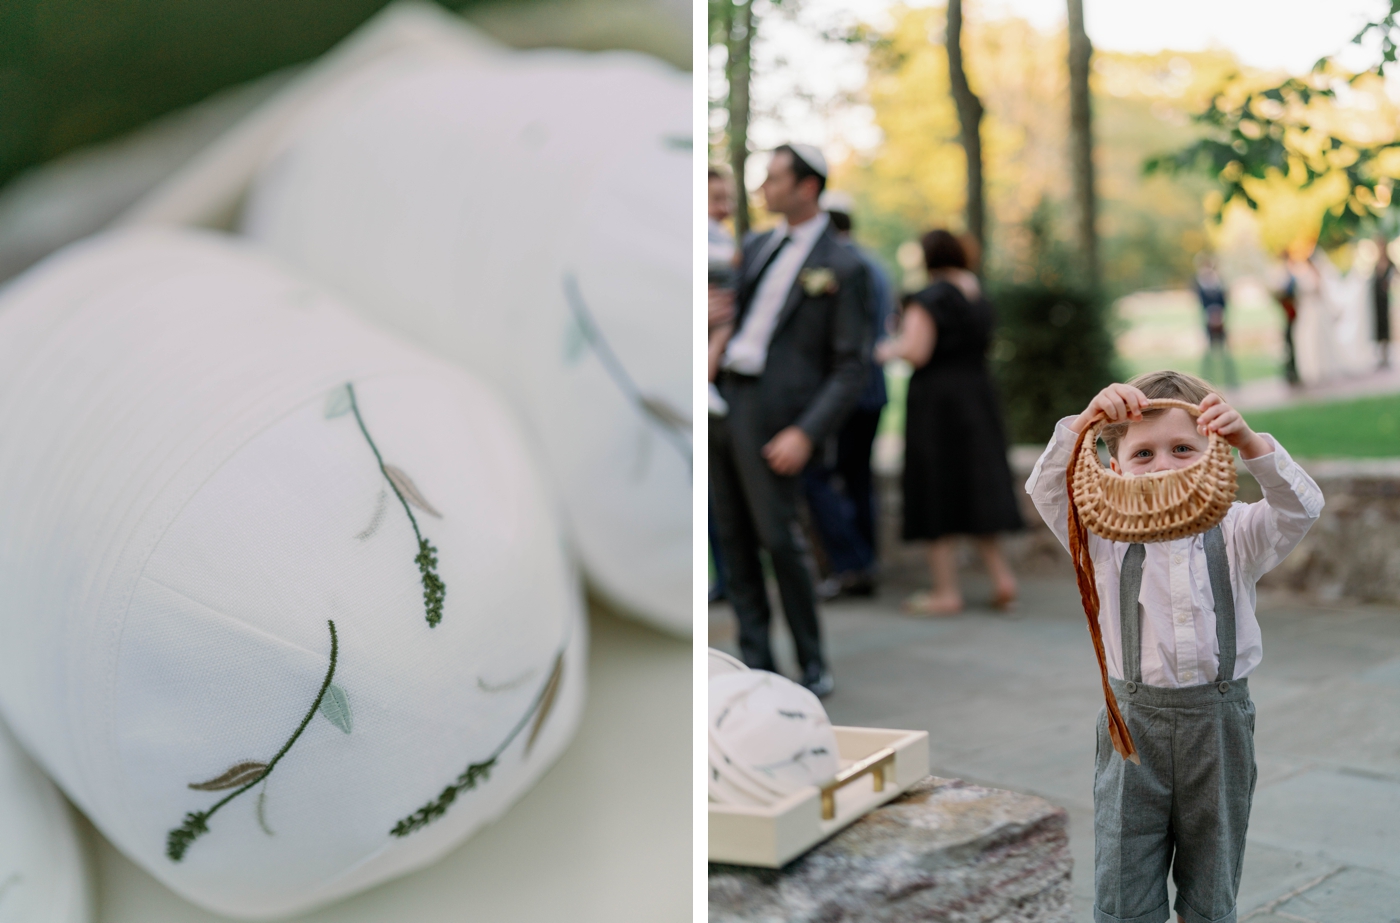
(342,400)
(481,771)
(672,423)
(243,775)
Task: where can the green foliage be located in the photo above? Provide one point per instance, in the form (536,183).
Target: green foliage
(1052,355)
(86,70)
(1365,428)
(1294,133)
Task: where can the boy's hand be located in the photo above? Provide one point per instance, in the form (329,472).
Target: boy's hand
(1219,417)
(1118,403)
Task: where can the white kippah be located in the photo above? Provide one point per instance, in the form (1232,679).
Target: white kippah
(530,219)
(812,156)
(285,609)
(43,871)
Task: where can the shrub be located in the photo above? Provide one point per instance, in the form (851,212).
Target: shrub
(1053,353)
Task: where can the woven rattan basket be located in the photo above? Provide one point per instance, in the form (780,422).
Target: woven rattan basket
(1155,507)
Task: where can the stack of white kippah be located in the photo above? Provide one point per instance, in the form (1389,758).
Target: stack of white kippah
(285,610)
(768,736)
(532,221)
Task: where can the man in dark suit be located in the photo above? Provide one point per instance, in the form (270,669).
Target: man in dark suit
(789,374)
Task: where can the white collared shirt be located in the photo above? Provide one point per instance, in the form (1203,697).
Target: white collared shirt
(748,350)
(1179,646)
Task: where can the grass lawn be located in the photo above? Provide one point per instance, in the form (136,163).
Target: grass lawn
(1363,428)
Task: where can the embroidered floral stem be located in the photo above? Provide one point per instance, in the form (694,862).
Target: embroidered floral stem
(197,822)
(476,772)
(663,417)
(434,590)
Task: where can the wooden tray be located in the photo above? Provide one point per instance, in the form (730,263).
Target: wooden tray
(876,766)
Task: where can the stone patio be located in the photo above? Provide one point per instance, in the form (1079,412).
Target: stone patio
(1010,701)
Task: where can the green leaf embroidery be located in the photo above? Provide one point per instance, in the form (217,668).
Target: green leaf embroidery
(236,775)
(664,412)
(338,403)
(336,707)
(678,142)
(480,771)
(196,823)
(434,590)
(551,691)
(376,519)
(575,338)
(673,425)
(405,486)
(262,811)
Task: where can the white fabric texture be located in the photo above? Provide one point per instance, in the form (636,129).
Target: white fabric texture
(44,876)
(1179,647)
(188,497)
(748,351)
(530,220)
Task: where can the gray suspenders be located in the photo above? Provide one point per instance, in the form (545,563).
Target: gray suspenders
(1130,620)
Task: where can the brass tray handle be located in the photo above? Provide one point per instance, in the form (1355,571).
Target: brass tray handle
(878,764)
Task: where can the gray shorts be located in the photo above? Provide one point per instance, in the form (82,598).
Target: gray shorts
(1186,807)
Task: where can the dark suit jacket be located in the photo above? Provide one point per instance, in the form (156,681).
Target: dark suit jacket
(820,349)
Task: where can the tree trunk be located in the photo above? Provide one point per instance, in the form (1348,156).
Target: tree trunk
(1081,139)
(970,124)
(737,73)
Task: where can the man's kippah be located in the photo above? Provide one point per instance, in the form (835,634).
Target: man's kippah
(811,155)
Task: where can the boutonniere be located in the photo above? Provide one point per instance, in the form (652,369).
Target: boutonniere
(818,281)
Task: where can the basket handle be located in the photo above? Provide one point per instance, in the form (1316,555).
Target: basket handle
(1157,403)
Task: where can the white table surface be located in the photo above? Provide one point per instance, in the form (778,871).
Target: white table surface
(604,836)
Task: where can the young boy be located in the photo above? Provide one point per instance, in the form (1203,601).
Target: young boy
(1181,638)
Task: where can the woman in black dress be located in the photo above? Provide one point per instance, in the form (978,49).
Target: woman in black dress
(956,477)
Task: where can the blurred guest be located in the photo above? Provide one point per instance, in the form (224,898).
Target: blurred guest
(1380,299)
(956,477)
(722,258)
(790,374)
(721,202)
(1211,290)
(838,483)
(1284,287)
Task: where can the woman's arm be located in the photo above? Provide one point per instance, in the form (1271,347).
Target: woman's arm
(918,335)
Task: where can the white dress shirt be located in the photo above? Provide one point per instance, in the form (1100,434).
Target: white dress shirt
(1179,646)
(747,352)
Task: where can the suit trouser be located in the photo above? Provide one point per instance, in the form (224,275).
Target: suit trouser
(854,443)
(754,507)
(834,515)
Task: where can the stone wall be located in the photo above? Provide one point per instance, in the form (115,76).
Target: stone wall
(1352,552)
(943,851)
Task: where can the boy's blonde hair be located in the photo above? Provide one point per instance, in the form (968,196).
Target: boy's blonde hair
(1178,385)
